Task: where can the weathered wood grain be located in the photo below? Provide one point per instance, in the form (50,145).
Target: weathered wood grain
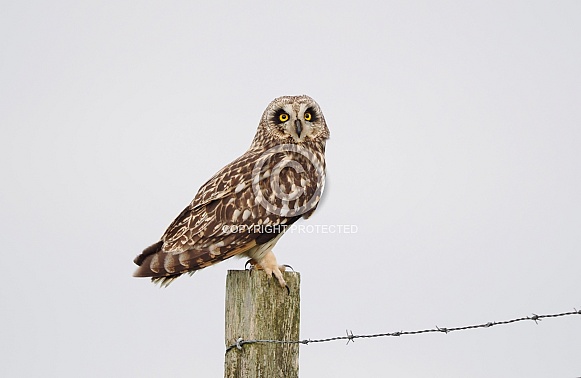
(258,308)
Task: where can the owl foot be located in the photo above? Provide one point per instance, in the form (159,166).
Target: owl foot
(270,266)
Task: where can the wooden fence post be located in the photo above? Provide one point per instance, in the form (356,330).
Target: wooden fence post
(257,308)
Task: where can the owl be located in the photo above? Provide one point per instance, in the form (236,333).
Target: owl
(245,208)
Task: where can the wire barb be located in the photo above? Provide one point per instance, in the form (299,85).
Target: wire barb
(351,337)
(445,330)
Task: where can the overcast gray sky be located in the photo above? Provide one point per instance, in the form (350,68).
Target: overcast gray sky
(455,150)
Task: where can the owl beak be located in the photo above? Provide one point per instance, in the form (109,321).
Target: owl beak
(298,127)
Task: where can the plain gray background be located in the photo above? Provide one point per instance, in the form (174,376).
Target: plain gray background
(455,150)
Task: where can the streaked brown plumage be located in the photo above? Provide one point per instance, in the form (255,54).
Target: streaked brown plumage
(244,208)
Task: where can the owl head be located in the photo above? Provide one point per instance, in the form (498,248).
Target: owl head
(292,119)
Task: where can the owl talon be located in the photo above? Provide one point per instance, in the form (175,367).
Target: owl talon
(250,262)
(288,266)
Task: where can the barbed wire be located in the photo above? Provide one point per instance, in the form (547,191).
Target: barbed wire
(351,337)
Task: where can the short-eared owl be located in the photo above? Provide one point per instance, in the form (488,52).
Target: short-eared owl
(245,208)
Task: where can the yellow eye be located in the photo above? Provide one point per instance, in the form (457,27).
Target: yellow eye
(308,116)
(283,117)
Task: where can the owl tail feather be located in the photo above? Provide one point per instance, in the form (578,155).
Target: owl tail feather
(161,276)
(144,270)
(152,249)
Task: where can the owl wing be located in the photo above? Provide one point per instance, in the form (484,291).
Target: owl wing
(222,221)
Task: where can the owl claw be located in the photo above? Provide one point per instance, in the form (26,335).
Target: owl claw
(250,262)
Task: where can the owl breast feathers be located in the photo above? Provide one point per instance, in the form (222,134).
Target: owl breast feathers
(246,207)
